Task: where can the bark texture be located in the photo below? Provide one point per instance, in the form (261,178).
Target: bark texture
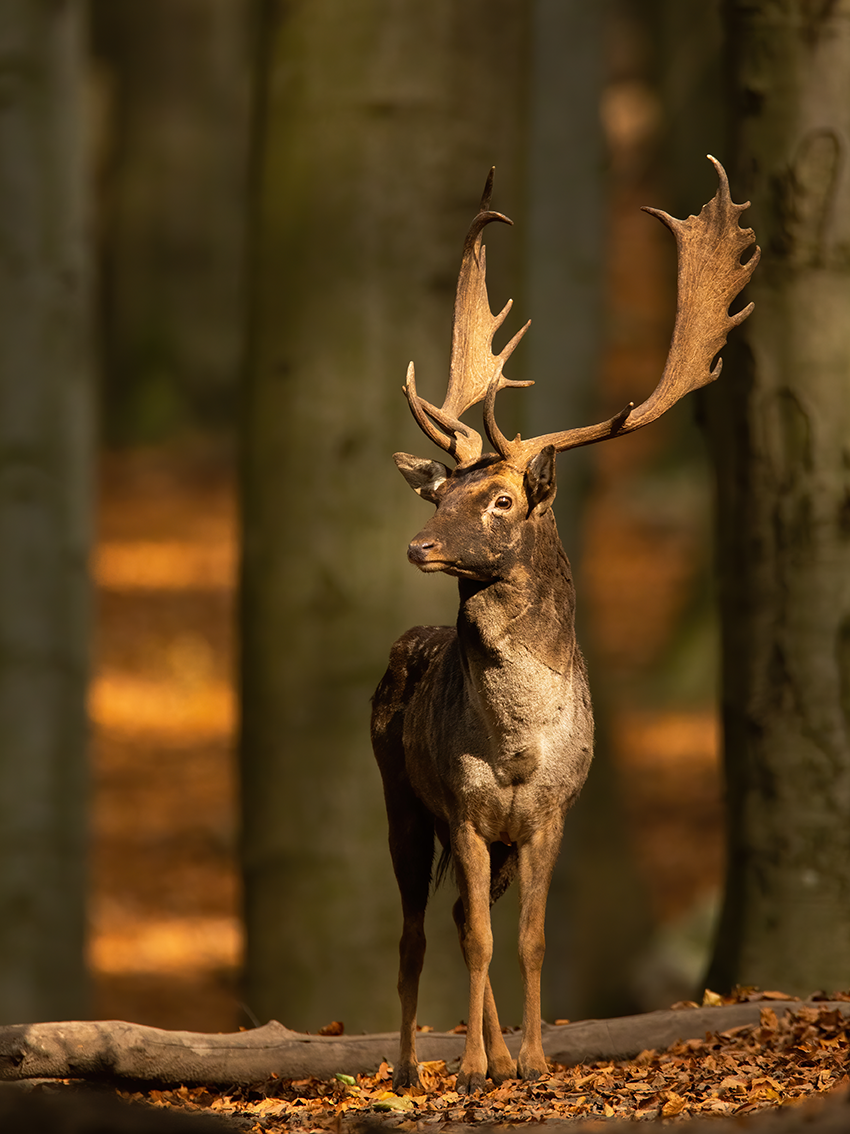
(780,424)
(45,500)
(112,1049)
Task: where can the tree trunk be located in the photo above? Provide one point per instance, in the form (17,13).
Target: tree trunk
(173,85)
(45,501)
(780,420)
(378,123)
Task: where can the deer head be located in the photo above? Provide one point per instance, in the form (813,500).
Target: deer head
(481,528)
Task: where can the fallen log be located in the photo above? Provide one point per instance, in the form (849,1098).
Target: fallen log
(113,1049)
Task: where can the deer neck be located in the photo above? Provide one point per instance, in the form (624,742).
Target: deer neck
(523,620)
(517,648)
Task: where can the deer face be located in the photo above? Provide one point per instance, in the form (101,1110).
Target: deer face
(487,514)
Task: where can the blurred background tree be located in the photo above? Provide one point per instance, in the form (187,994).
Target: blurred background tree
(171,88)
(46,450)
(782,455)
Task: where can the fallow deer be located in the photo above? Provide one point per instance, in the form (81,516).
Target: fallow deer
(483,733)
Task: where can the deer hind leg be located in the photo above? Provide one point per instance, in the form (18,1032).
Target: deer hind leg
(536,862)
(412,850)
(485,1054)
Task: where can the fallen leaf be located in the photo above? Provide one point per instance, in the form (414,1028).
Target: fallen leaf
(270,1108)
(432,1066)
(393,1102)
(675,1104)
(334,1028)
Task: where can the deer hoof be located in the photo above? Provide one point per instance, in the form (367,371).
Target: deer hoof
(470,1082)
(531,1071)
(501,1070)
(406,1075)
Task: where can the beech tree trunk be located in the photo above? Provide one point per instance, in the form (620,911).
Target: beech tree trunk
(378,123)
(45,502)
(780,423)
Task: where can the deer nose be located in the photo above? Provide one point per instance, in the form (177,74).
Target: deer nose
(421,549)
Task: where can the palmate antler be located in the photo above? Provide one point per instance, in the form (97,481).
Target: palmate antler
(711,275)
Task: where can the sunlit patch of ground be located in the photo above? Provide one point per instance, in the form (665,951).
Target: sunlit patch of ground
(669,763)
(167,945)
(166,939)
(166,565)
(164,706)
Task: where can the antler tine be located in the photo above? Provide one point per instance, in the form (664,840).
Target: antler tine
(458,439)
(474,367)
(711,275)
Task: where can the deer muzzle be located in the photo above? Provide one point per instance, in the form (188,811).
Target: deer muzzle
(425,552)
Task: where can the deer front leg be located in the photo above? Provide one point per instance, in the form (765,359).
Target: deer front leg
(472,864)
(500,1065)
(536,862)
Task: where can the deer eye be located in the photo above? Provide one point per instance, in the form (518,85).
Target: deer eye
(503,503)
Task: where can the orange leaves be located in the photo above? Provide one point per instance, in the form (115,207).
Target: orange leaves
(673,1104)
(334,1028)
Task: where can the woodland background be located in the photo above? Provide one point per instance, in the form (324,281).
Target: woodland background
(228,227)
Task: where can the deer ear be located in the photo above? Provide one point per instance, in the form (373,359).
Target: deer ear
(423,476)
(540,484)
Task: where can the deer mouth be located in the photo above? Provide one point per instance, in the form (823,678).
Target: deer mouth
(431,566)
(425,554)
(465,573)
